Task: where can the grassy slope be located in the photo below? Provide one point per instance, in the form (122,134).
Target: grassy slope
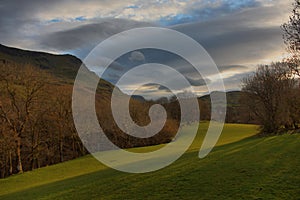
(240,167)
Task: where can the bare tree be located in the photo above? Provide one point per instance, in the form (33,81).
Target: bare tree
(7,147)
(21,88)
(292,38)
(267,92)
(63,122)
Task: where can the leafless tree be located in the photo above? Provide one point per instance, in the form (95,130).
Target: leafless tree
(21,89)
(267,95)
(292,38)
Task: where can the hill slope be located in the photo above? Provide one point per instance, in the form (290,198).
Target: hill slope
(56,132)
(241,167)
(63,66)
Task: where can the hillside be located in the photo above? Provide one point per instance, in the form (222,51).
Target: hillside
(48,135)
(240,167)
(62,66)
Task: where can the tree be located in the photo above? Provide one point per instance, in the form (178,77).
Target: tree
(7,147)
(62,122)
(36,125)
(292,38)
(267,92)
(21,92)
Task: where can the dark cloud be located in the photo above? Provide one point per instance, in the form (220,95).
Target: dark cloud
(197,82)
(193,82)
(237,38)
(86,37)
(157,56)
(161,87)
(116,66)
(152,85)
(17,15)
(244,45)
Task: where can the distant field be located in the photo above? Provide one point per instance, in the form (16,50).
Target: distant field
(242,166)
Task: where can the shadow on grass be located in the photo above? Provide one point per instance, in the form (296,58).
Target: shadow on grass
(253,167)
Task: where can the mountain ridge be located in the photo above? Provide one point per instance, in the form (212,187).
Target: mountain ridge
(61,65)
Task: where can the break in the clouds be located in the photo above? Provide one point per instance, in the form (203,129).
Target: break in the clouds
(237,34)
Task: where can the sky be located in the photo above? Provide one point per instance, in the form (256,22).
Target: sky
(238,35)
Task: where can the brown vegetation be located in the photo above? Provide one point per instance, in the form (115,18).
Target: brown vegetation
(272,96)
(36,121)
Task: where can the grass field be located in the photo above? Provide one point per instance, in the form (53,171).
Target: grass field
(241,166)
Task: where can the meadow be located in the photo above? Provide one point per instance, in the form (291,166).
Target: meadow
(241,166)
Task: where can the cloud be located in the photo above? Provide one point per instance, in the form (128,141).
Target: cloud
(17,21)
(248,37)
(86,37)
(237,34)
(152,11)
(153,56)
(207,10)
(234,82)
(137,56)
(232,68)
(197,82)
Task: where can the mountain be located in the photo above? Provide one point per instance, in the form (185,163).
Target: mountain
(62,66)
(138,97)
(232,98)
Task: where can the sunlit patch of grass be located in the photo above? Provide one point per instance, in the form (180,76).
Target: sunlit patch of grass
(240,167)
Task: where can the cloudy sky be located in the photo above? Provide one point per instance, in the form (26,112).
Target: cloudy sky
(238,34)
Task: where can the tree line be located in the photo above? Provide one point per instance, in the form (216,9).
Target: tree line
(36,122)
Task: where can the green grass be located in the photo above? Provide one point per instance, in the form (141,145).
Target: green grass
(242,166)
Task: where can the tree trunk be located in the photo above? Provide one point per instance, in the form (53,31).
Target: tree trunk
(73,147)
(20,167)
(61,155)
(10,164)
